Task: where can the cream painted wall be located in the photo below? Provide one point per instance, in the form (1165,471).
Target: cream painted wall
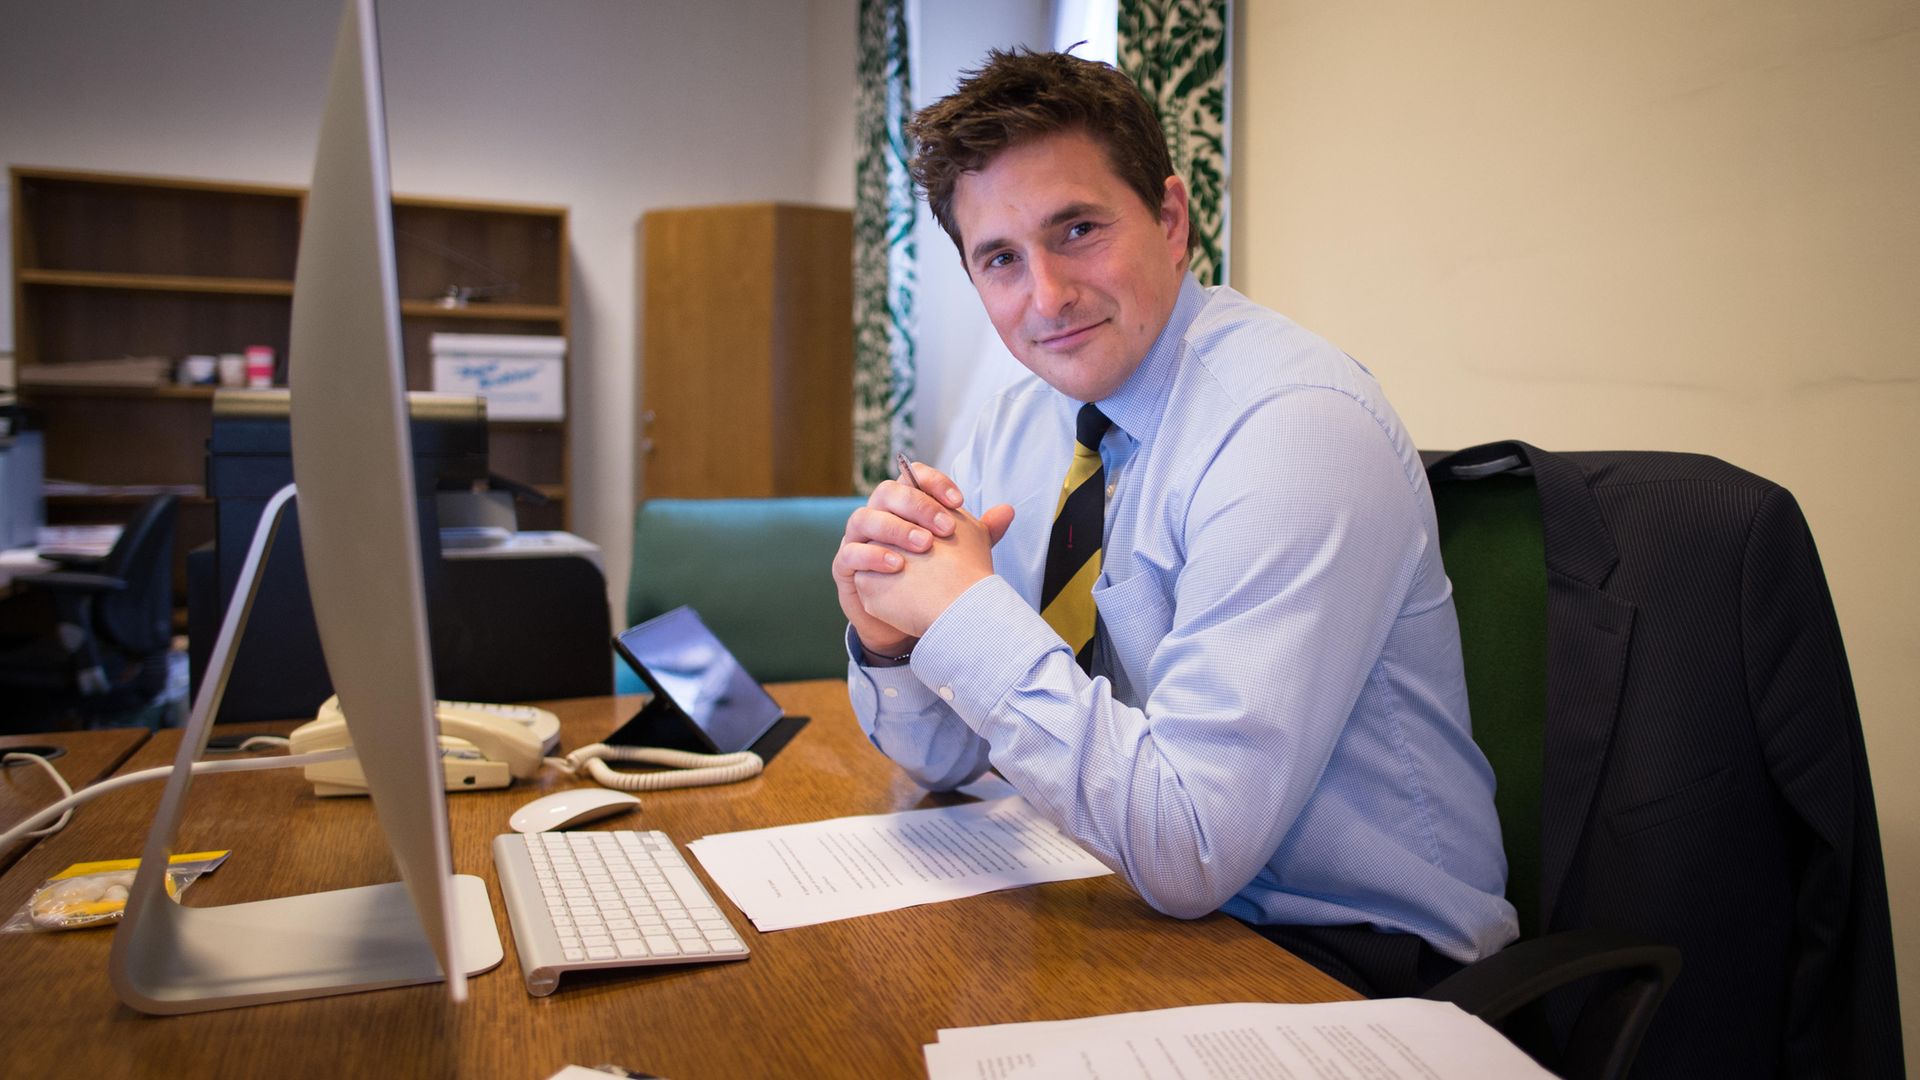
(1639,225)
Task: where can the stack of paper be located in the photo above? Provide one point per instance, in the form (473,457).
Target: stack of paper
(1381,1040)
(799,875)
(85,541)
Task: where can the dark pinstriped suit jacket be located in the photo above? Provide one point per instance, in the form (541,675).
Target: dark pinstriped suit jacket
(1705,780)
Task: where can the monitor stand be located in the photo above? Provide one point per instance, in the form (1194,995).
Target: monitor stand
(171,959)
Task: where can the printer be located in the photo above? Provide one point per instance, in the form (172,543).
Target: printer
(529,627)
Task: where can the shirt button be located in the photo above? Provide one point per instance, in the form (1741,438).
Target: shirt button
(1110,488)
(946,693)
(891,691)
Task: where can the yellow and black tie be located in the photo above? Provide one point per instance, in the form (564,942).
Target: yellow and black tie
(1073,553)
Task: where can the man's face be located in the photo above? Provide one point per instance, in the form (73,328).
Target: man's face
(1077,274)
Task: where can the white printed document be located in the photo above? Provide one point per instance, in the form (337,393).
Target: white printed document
(1389,1039)
(798,875)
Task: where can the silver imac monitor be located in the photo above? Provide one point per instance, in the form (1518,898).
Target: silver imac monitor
(353,474)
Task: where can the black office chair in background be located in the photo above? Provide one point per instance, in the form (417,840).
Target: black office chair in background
(90,640)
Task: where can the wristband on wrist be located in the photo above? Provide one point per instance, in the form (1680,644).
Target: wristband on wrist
(901,659)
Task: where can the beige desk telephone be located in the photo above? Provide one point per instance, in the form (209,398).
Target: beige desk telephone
(481,746)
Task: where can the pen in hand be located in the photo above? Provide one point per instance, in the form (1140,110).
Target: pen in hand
(906,471)
(908,475)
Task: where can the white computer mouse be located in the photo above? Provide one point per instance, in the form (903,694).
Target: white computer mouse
(574,806)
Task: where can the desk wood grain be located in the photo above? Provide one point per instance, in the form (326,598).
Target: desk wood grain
(86,757)
(854,998)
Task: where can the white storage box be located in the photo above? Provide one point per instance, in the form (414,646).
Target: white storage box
(520,375)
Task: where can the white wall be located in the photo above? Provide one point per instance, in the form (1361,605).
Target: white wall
(1604,225)
(608,108)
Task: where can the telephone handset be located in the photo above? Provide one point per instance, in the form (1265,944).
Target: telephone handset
(480,746)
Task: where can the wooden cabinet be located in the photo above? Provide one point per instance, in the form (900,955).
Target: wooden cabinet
(747,386)
(109,266)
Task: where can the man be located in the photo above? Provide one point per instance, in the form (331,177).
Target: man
(1261,709)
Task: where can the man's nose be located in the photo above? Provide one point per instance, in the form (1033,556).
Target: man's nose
(1054,288)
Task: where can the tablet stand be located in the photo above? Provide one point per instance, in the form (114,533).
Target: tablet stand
(663,724)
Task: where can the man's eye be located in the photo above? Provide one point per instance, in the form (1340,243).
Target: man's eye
(1079,229)
(1002,259)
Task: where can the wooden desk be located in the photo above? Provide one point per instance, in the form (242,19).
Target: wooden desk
(26,787)
(854,998)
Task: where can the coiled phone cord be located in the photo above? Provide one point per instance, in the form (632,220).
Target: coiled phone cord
(686,769)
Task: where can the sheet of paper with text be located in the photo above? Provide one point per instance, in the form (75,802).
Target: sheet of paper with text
(1388,1039)
(798,875)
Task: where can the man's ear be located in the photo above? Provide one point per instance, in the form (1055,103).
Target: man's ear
(1174,220)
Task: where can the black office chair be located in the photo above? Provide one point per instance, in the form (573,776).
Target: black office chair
(91,639)
(1657,678)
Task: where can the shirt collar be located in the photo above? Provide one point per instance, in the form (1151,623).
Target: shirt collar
(1138,405)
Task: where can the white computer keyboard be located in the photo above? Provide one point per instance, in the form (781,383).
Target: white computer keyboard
(580,901)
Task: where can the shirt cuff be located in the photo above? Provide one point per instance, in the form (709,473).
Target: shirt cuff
(882,689)
(953,665)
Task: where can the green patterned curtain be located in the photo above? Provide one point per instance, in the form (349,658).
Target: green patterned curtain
(1176,50)
(883,254)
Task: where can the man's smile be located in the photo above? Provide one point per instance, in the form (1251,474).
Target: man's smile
(1067,340)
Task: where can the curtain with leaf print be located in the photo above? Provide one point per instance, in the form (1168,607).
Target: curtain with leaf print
(1177,52)
(883,270)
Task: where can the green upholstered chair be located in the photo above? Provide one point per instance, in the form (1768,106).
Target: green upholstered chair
(757,571)
(1492,543)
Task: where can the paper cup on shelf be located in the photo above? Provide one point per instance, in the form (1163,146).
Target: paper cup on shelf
(259,366)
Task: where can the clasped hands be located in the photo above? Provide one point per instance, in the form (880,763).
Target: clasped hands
(907,555)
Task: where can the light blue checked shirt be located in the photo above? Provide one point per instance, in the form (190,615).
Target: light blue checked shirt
(1278,726)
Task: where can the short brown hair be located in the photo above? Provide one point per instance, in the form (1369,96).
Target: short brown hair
(1021,94)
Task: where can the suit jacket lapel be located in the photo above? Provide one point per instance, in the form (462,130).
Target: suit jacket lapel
(1588,635)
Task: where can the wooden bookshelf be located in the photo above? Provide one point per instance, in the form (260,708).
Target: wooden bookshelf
(109,265)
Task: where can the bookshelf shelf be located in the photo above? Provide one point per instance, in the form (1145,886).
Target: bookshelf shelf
(429,309)
(89,279)
(169,393)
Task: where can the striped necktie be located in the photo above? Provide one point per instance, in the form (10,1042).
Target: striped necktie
(1073,553)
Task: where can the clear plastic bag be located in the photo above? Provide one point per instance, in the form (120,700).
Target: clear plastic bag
(95,893)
